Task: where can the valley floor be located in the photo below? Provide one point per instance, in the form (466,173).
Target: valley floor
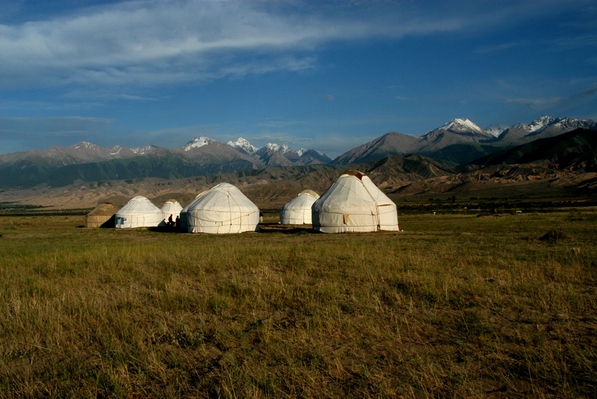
(456,305)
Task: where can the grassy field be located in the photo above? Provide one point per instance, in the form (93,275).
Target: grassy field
(455,306)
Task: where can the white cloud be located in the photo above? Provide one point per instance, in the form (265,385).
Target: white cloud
(155,42)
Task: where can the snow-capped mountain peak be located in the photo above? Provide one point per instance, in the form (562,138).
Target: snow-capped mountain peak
(537,124)
(198,142)
(462,125)
(272,147)
(243,144)
(143,150)
(496,130)
(86,145)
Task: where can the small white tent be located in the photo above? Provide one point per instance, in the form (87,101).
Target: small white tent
(298,210)
(171,210)
(221,210)
(139,212)
(354,204)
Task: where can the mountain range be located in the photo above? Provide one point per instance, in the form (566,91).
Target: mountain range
(451,157)
(460,141)
(60,166)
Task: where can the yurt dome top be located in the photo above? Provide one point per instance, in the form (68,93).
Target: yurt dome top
(309,192)
(201,194)
(214,198)
(103,209)
(139,204)
(171,206)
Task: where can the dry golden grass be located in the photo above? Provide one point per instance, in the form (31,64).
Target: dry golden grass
(455,306)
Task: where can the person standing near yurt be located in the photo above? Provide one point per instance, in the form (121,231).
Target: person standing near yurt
(354,204)
(170,209)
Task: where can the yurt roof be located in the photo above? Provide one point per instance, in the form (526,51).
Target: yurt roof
(353,172)
(139,204)
(104,209)
(221,197)
(171,207)
(201,194)
(309,192)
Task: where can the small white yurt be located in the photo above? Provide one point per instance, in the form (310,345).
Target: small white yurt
(354,204)
(171,210)
(221,210)
(101,216)
(138,212)
(298,210)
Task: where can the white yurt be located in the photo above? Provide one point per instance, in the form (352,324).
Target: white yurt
(354,204)
(221,210)
(171,210)
(139,212)
(298,210)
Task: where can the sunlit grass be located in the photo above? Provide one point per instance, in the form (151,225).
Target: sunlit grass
(456,305)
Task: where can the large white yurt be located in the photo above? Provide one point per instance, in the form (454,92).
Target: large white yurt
(298,210)
(171,210)
(221,210)
(354,204)
(138,212)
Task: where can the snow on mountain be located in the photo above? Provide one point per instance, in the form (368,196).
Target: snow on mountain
(243,144)
(116,150)
(142,150)
(537,124)
(462,126)
(548,125)
(496,130)
(86,145)
(198,142)
(571,123)
(272,147)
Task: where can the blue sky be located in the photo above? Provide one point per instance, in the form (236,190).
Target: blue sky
(328,75)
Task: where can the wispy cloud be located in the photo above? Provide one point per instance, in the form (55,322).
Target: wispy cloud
(582,96)
(157,42)
(534,102)
(502,47)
